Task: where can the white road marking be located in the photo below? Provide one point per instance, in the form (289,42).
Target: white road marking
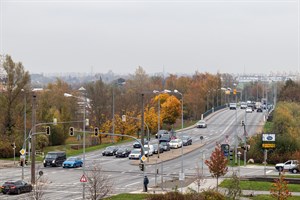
(133,184)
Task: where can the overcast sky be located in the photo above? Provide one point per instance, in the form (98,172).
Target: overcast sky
(252,36)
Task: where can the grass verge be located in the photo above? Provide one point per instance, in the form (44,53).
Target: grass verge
(259,186)
(127,196)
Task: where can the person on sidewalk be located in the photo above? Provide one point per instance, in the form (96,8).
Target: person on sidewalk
(146,182)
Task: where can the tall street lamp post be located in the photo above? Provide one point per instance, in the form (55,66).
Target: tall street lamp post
(82,89)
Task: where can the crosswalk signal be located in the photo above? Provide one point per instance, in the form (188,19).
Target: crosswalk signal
(71,131)
(141,165)
(47,130)
(96,131)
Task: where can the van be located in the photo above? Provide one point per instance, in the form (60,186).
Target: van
(54,158)
(150,150)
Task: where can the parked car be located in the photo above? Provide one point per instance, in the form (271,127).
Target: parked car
(148,150)
(160,133)
(165,138)
(166,146)
(295,169)
(137,144)
(16,187)
(157,148)
(175,143)
(135,154)
(248,110)
(287,165)
(123,152)
(259,109)
(73,162)
(186,140)
(54,158)
(201,124)
(110,151)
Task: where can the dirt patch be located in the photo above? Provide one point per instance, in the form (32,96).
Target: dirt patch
(175,183)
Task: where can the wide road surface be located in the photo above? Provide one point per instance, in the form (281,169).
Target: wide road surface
(223,127)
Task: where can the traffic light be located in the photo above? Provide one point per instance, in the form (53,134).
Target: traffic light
(141,165)
(48,130)
(225,149)
(71,131)
(96,131)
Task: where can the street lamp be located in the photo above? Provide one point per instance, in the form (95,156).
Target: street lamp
(120,81)
(176,91)
(82,89)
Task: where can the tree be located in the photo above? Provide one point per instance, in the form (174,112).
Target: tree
(98,184)
(217,164)
(200,178)
(234,189)
(171,110)
(279,189)
(17,80)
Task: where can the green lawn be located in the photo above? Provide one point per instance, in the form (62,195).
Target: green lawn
(259,186)
(269,197)
(127,196)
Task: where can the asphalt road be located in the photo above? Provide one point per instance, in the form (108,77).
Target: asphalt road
(126,176)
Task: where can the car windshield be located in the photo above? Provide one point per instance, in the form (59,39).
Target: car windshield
(146,148)
(155,145)
(51,156)
(136,151)
(71,159)
(185,137)
(173,141)
(122,149)
(109,148)
(201,122)
(163,143)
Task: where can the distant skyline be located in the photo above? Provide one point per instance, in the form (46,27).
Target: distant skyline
(180,37)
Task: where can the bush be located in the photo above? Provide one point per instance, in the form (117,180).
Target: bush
(206,195)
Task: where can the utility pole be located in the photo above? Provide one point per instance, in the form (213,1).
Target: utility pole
(33,139)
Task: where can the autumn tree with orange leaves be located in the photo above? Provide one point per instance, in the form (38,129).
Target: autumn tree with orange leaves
(217,164)
(279,189)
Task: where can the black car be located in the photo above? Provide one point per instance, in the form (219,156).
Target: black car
(166,146)
(54,158)
(110,151)
(16,187)
(156,147)
(123,152)
(186,140)
(137,145)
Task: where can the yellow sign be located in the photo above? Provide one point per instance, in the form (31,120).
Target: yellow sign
(22,152)
(268,145)
(143,158)
(234,91)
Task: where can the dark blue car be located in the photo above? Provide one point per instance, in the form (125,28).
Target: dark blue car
(73,162)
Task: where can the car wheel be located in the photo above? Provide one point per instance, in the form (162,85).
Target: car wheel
(280,169)
(295,171)
(18,191)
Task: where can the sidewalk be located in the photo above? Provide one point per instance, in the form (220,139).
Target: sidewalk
(8,163)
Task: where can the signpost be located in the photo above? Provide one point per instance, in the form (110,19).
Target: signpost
(83,179)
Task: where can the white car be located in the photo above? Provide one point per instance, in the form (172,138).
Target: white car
(201,124)
(248,110)
(135,154)
(176,143)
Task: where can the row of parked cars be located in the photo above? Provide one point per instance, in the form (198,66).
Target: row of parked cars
(165,143)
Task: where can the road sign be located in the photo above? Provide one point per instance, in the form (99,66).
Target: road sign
(83,179)
(143,158)
(268,145)
(181,176)
(22,152)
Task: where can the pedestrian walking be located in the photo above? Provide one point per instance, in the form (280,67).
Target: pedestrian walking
(146,182)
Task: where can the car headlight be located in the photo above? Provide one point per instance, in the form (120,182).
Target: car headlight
(44,161)
(53,161)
